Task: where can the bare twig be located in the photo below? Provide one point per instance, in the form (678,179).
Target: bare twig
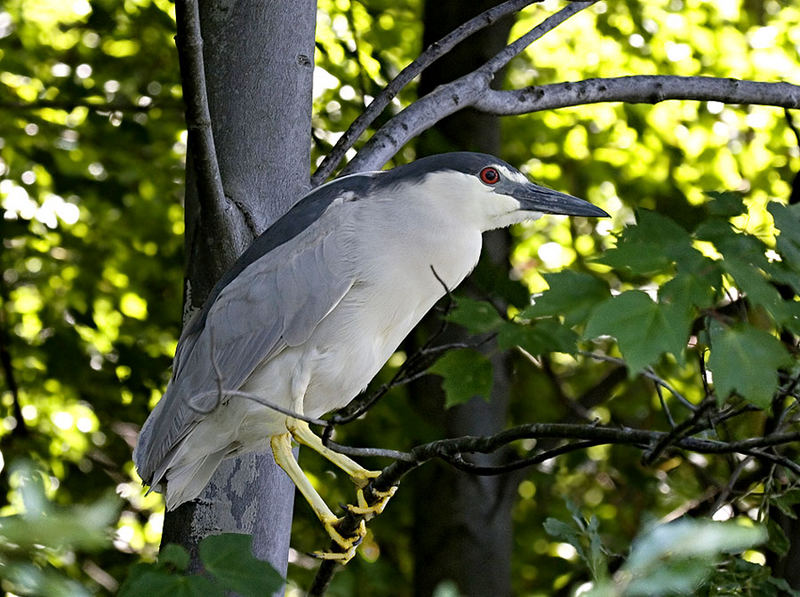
(648,373)
(452,450)
(431,54)
(648,89)
(249,396)
(203,153)
(677,432)
(447,99)
(663,402)
(458,461)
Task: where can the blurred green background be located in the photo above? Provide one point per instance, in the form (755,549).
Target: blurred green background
(92,151)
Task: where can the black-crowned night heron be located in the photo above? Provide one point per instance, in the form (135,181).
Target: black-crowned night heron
(315,307)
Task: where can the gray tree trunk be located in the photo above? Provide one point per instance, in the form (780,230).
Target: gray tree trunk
(463,522)
(259,59)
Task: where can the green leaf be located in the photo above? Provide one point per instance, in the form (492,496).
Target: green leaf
(725,204)
(174,555)
(75,527)
(643,328)
(584,537)
(674,558)
(759,291)
(145,580)
(733,244)
(229,558)
(572,295)
(544,336)
(652,246)
(695,289)
(478,317)
(787,220)
(746,360)
(466,372)
(778,541)
(786,503)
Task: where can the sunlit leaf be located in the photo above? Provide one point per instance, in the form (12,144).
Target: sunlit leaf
(643,328)
(571,296)
(544,336)
(787,219)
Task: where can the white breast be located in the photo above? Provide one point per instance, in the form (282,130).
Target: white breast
(396,287)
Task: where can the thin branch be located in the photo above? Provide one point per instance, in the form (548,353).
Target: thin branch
(370,452)
(676,433)
(461,464)
(446,448)
(431,54)
(648,373)
(664,406)
(249,396)
(412,369)
(203,153)
(447,99)
(637,89)
(452,449)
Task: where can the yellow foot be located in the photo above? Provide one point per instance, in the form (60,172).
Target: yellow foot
(348,544)
(345,543)
(360,478)
(369,510)
(340,556)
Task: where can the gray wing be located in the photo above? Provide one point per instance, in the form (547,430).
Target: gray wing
(274,302)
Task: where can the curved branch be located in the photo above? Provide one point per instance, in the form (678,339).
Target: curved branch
(449,98)
(451,450)
(446,448)
(431,54)
(637,89)
(203,153)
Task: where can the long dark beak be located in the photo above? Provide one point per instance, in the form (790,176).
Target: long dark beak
(533,197)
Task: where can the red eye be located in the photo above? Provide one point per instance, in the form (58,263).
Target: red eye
(489,175)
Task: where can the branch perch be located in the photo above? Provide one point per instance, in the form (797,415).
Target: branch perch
(449,98)
(431,54)
(637,89)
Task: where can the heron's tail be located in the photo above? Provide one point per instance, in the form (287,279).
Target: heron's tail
(187,479)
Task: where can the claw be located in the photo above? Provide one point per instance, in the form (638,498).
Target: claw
(366,509)
(362,477)
(346,543)
(339,556)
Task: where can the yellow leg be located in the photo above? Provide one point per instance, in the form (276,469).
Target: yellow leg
(303,434)
(360,476)
(282,450)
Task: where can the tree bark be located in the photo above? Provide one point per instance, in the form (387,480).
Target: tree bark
(259,61)
(462,530)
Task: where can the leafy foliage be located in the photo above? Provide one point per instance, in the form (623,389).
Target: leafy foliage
(677,558)
(91,167)
(35,543)
(229,566)
(467,373)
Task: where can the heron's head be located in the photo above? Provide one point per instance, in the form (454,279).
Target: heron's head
(488,190)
